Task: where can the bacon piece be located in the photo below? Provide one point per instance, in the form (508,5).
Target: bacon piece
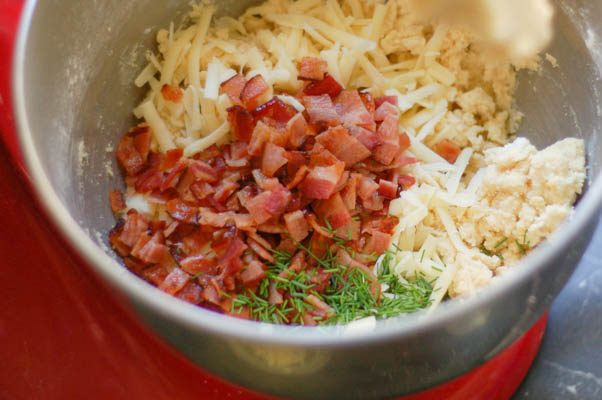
(220,220)
(233,87)
(274,297)
(320,309)
(351,109)
(260,250)
(203,171)
(297,130)
(230,260)
(116,200)
(201,190)
(321,110)
(296,225)
(135,225)
(269,204)
(312,69)
(151,251)
(366,187)
(387,189)
(275,109)
(273,159)
(191,293)
(345,147)
(368,101)
(224,190)
(344,258)
(448,150)
(133,149)
(379,101)
(261,135)
(386,109)
(253,273)
(175,281)
(321,181)
(406,181)
(327,86)
(241,122)
(332,211)
(198,264)
(366,137)
(388,134)
(378,243)
(173,177)
(181,211)
(172,93)
(170,159)
(349,192)
(374,203)
(254,89)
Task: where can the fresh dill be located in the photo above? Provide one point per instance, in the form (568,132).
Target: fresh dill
(351,292)
(525,246)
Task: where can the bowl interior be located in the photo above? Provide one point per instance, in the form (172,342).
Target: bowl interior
(82,57)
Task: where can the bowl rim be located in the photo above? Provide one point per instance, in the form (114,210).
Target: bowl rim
(199,318)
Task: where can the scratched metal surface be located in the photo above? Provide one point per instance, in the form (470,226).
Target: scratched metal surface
(569,365)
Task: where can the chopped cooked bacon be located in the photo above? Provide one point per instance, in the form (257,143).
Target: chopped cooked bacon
(260,250)
(191,293)
(387,189)
(351,109)
(345,147)
(448,150)
(276,110)
(116,200)
(241,123)
(288,179)
(260,136)
(366,137)
(203,171)
(388,134)
(296,225)
(170,159)
(321,181)
(273,159)
(274,297)
(320,308)
(135,225)
(133,149)
(327,86)
(233,87)
(220,220)
(297,130)
(224,190)
(366,187)
(175,281)
(312,69)
(406,181)
(349,192)
(253,91)
(379,101)
(198,264)
(269,204)
(298,177)
(151,251)
(333,211)
(386,109)
(201,190)
(253,273)
(378,243)
(181,211)
(321,110)
(172,93)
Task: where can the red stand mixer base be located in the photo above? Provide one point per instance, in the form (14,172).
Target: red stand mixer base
(65,335)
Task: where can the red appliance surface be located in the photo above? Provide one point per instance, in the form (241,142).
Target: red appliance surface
(65,335)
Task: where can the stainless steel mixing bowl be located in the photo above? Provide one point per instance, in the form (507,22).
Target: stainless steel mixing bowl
(74,67)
